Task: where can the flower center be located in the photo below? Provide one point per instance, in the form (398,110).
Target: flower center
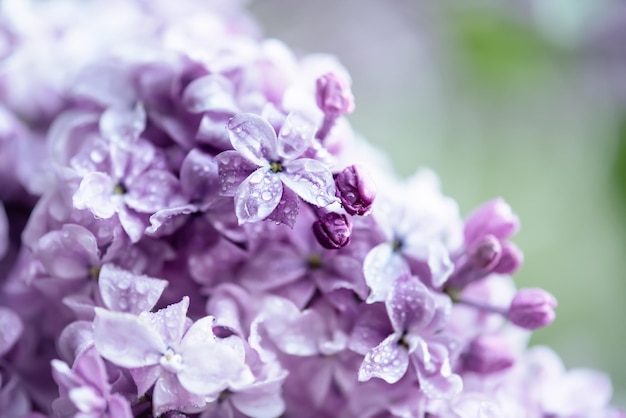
(119,189)
(315,261)
(171,361)
(276,166)
(94,272)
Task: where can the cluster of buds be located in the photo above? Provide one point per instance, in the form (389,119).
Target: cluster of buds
(190,228)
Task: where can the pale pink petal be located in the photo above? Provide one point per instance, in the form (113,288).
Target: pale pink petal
(388,361)
(253,137)
(262,400)
(381,267)
(125,340)
(68,253)
(170,322)
(119,407)
(124,291)
(153,190)
(295,136)
(145,377)
(311,180)
(96,194)
(132,223)
(258,196)
(409,305)
(123,124)
(212,92)
(170,395)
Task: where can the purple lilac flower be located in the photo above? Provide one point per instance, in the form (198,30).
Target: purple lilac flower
(416,318)
(145,285)
(415,236)
(185,364)
(263,163)
(86,391)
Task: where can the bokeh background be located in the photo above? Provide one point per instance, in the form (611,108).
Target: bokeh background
(524,99)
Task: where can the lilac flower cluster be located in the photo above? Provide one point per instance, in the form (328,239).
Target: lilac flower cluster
(189,227)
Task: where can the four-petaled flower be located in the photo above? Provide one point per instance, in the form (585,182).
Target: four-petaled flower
(186,364)
(417,317)
(263,163)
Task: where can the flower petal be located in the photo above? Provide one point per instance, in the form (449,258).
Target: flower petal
(124,291)
(153,190)
(253,137)
(262,400)
(388,361)
(409,305)
(122,124)
(434,372)
(258,196)
(381,266)
(209,365)
(212,92)
(125,340)
(287,210)
(119,407)
(95,193)
(170,322)
(233,169)
(295,136)
(68,253)
(199,175)
(311,180)
(170,395)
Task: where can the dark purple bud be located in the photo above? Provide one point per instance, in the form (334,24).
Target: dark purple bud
(334,96)
(532,308)
(356,190)
(510,260)
(332,230)
(488,354)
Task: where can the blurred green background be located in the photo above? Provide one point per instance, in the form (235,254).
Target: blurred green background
(521,99)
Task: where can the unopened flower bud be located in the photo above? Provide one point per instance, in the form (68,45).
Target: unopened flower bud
(334,96)
(532,308)
(510,260)
(332,230)
(355,189)
(493,218)
(477,263)
(488,354)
